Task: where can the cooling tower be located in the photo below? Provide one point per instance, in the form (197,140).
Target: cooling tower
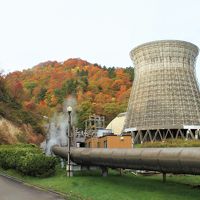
(165,99)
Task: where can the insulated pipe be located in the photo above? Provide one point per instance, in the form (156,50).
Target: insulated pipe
(164,160)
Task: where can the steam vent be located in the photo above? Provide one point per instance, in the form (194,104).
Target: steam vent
(165,99)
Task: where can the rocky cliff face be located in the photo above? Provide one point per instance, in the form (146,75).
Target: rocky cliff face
(11,134)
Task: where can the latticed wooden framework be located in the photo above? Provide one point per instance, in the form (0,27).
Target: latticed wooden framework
(165,93)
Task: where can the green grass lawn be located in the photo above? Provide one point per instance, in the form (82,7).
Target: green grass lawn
(91,186)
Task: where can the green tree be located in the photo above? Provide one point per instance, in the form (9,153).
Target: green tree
(69,87)
(41,95)
(111,110)
(82,73)
(83,112)
(60,94)
(83,83)
(30,86)
(131,72)
(111,72)
(3,92)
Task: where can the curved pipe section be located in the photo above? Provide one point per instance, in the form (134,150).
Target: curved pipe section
(164,160)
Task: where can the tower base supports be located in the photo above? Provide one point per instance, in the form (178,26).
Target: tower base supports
(141,136)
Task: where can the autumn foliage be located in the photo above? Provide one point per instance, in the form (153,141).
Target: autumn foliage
(100,90)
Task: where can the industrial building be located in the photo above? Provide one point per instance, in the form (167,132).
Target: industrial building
(164,103)
(109,141)
(165,99)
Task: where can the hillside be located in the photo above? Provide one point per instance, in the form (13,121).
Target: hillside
(100,90)
(16,124)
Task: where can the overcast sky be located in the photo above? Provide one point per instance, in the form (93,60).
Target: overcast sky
(99,31)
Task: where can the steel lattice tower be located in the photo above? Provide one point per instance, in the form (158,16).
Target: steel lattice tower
(165,99)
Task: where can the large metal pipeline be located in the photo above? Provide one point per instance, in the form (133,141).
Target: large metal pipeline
(164,160)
